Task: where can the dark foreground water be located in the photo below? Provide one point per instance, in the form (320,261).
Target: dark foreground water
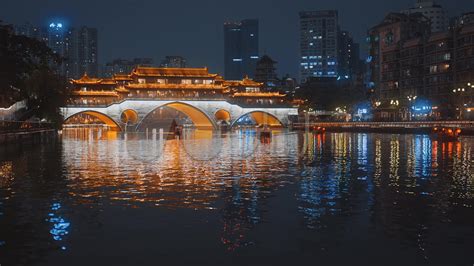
(302,199)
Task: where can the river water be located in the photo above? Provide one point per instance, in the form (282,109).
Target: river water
(232,198)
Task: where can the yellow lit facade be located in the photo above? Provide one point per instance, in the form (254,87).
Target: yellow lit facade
(169,83)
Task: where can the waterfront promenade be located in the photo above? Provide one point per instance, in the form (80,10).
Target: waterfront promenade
(467,127)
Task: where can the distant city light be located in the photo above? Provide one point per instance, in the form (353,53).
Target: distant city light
(362,111)
(55,25)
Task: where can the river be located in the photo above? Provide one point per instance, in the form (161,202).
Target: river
(232,198)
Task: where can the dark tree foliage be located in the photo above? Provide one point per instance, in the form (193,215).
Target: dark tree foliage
(328,95)
(28,72)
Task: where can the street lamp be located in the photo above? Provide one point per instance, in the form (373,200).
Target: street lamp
(410,99)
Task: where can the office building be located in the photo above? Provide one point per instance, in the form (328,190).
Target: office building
(83,57)
(349,63)
(240,49)
(77,46)
(318,44)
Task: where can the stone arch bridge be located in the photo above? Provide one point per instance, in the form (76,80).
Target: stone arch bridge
(204,114)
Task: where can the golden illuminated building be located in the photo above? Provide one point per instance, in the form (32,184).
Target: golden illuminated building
(170,84)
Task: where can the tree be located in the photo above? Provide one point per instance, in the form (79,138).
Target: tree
(28,72)
(329,93)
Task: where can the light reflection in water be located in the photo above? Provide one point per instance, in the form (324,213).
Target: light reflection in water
(6,173)
(401,189)
(59,225)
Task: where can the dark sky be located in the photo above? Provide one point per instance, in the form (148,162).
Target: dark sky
(153,28)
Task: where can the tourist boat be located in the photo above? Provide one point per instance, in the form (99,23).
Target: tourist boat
(178,131)
(446,134)
(266,135)
(318,130)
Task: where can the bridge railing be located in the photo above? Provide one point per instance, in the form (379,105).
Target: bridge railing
(23,126)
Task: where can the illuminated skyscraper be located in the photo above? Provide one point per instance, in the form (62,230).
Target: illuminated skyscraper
(318,44)
(77,46)
(58,40)
(240,48)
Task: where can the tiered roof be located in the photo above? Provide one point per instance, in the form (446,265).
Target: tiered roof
(87,80)
(172,72)
(116,86)
(246,82)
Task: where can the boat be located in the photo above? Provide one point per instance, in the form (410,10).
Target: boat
(446,134)
(318,130)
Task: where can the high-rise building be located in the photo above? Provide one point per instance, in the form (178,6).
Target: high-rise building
(77,46)
(409,63)
(385,42)
(463,65)
(31,31)
(240,48)
(173,61)
(58,39)
(348,56)
(434,12)
(83,55)
(318,44)
(124,66)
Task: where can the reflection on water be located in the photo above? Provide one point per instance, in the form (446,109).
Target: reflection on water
(339,198)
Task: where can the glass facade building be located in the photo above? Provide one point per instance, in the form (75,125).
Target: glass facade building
(240,49)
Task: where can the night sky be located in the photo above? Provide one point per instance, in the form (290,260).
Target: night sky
(193,29)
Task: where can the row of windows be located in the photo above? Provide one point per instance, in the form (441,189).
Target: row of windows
(439,79)
(176,81)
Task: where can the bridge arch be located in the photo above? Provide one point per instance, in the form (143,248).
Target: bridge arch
(199,118)
(129,116)
(101,116)
(261,118)
(222,115)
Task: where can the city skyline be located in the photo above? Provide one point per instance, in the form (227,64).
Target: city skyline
(130,36)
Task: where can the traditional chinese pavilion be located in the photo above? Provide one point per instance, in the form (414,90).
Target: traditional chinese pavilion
(170,83)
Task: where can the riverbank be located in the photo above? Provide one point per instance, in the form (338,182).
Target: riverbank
(36,136)
(467,127)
